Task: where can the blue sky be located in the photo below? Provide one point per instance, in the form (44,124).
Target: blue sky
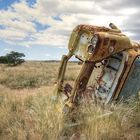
(41,28)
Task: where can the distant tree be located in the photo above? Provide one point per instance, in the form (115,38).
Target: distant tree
(3,59)
(13,58)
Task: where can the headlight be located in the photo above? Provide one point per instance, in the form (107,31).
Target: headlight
(94,40)
(93,44)
(84,39)
(90,49)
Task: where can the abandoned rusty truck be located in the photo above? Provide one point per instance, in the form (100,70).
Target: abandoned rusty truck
(120,59)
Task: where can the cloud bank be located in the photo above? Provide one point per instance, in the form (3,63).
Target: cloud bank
(50,22)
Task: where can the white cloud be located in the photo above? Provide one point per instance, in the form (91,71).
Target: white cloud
(128,11)
(7,50)
(51,7)
(12,34)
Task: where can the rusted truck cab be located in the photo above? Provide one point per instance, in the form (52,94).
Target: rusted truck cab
(119,56)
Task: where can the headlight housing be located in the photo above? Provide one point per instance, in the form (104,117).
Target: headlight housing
(93,44)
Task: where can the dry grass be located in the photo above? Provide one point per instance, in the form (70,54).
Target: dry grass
(112,122)
(28,75)
(29,112)
(34,74)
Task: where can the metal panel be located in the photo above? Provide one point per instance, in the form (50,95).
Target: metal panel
(132,84)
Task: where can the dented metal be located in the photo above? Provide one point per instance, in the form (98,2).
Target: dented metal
(118,55)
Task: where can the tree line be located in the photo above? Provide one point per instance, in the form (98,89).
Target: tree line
(13,58)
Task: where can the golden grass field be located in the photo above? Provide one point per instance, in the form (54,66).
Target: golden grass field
(28,110)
